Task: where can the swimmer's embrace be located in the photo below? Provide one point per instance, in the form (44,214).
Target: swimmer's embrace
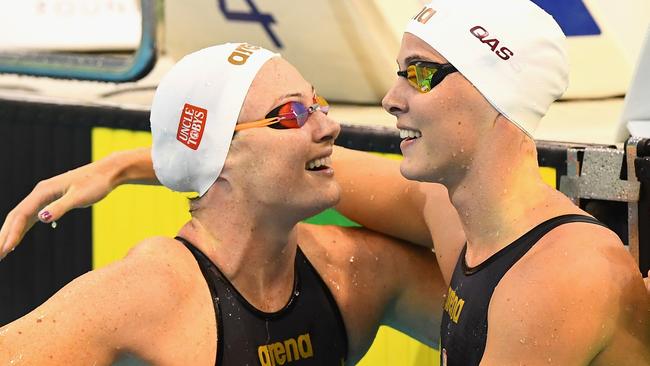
(243,283)
(533,279)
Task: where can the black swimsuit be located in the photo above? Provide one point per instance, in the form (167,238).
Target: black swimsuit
(309,330)
(464,321)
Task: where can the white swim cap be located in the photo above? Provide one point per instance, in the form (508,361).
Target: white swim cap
(512,51)
(195,110)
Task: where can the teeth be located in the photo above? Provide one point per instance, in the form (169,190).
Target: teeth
(326,161)
(403,134)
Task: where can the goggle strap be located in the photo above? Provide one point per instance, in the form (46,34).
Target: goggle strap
(260,123)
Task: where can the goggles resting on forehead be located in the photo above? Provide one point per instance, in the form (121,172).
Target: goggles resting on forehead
(288,115)
(424,76)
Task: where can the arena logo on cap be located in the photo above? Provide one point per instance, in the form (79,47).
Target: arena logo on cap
(191,126)
(424,15)
(241,54)
(482,34)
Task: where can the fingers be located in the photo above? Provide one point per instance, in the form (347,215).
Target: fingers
(23,216)
(14,228)
(57,209)
(4,232)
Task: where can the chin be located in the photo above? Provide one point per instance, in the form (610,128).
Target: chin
(329,198)
(413,172)
(320,200)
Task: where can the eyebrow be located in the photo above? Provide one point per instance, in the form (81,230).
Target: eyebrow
(415,57)
(292,95)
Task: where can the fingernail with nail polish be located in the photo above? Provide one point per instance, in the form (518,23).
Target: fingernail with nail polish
(45,216)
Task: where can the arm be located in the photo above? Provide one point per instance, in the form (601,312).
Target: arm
(377,279)
(416,306)
(593,311)
(374,194)
(96,316)
(80,187)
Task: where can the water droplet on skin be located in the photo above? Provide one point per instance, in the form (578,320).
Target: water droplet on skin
(352,259)
(522,341)
(53,224)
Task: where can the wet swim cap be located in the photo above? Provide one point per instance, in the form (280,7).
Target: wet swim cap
(512,51)
(195,110)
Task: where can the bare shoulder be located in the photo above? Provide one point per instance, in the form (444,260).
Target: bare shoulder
(577,286)
(594,251)
(164,260)
(134,303)
(155,276)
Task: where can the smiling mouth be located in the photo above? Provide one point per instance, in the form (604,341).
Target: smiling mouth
(406,134)
(319,164)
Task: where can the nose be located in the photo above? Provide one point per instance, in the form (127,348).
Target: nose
(325,129)
(394,101)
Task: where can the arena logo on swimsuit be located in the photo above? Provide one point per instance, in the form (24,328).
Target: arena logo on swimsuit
(191,126)
(290,350)
(454,305)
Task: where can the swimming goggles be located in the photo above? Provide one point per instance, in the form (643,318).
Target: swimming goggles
(424,76)
(288,115)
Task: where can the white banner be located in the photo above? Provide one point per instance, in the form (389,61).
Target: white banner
(74,25)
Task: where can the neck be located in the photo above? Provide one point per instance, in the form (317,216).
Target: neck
(502,197)
(254,249)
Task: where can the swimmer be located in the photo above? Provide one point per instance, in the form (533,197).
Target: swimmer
(536,280)
(576,296)
(243,283)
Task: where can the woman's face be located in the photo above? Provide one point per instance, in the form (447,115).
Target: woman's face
(273,165)
(448,121)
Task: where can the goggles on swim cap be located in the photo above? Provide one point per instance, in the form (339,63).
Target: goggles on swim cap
(424,76)
(288,115)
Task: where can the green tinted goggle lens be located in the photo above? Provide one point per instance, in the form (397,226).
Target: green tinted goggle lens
(424,76)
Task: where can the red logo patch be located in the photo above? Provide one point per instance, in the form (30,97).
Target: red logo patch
(191,126)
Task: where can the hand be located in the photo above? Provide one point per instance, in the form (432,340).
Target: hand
(52,198)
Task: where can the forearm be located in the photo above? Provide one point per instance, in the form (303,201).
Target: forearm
(130,167)
(374,194)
